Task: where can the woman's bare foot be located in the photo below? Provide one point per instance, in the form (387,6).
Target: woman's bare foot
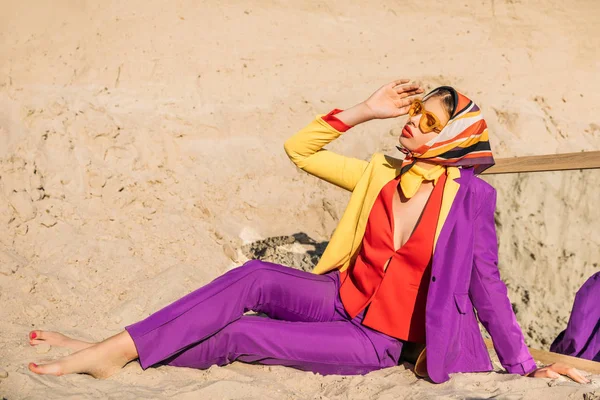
(100,360)
(57,339)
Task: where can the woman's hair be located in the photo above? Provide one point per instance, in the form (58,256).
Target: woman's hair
(447,99)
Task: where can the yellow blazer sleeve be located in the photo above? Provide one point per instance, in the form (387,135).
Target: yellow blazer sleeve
(305,149)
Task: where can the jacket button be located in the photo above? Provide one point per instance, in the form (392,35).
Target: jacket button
(433,279)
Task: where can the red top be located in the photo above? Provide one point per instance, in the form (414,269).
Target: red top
(396,297)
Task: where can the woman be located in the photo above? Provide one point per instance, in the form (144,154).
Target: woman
(414,252)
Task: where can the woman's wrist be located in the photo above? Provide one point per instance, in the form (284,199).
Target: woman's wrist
(355,115)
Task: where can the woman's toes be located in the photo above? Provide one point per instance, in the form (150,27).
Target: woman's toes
(38,337)
(35,337)
(56,339)
(52,338)
(46,369)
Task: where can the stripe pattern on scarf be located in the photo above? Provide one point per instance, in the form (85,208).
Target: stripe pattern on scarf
(463,142)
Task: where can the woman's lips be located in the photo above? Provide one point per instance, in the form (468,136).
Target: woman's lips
(406,132)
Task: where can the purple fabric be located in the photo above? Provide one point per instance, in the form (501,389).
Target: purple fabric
(307,326)
(582,336)
(465,275)
(310,330)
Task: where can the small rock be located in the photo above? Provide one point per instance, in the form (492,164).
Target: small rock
(3,373)
(230,252)
(96,180)
(217,236)
(42,348)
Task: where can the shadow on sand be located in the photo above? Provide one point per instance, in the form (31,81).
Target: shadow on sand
(298,250)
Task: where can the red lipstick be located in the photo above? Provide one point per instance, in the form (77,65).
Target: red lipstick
(406,132)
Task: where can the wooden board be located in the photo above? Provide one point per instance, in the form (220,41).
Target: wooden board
(550,162)
(547,357)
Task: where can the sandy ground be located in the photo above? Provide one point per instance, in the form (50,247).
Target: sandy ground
(141,156)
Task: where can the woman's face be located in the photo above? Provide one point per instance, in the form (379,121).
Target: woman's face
(412,136)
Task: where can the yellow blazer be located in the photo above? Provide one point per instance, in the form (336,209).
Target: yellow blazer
(364,179)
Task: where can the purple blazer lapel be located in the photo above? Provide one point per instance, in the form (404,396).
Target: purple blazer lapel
(455,210)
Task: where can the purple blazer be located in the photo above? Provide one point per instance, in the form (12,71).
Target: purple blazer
(582,336)
(465,275)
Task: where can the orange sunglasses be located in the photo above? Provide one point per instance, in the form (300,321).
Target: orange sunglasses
(428,122)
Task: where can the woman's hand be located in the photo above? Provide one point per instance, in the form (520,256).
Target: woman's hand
(553,371)
(392,100)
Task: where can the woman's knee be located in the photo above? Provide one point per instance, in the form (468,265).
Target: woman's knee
(261,267)
(263,276)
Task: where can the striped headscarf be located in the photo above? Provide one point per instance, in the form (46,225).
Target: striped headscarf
(463,142)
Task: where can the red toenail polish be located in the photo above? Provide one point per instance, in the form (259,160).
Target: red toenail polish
(33,335)
(34,364)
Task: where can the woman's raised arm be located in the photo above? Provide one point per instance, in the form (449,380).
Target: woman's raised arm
(305,148)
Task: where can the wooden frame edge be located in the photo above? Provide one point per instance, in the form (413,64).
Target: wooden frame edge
(548,162)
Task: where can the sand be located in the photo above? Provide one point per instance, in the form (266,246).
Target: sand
(141,156)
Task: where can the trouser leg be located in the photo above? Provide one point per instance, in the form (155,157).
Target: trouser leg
(278,291)
(337,347)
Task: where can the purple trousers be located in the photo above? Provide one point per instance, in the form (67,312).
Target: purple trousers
(582,336)
(307,328)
